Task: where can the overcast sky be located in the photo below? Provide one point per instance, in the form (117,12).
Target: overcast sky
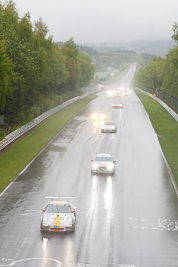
(103,20)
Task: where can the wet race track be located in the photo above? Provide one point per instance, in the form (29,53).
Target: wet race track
(129,219)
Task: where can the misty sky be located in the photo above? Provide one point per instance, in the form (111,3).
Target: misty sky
(103,20)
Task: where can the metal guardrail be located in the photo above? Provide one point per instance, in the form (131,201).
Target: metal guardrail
(168,99)
(25,128)
(173,114)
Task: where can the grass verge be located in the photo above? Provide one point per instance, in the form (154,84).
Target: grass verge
(166,128)
(20,154)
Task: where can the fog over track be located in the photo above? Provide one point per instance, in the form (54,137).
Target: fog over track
(129,219)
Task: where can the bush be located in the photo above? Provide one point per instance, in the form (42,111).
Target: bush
(21,119)
(15,127)
(2,134)
(30,115)
(36,111)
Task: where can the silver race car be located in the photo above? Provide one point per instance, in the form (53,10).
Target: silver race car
(108,127)
(103,163)
(58,216)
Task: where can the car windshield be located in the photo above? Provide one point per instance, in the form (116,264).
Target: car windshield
(53,208)
(103,158)
(109,123)
(99,113)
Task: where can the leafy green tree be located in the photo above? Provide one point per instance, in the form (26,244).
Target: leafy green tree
(151,75)
(170,73)
(70,51)
(86,69)
(56,72)
(7,77)
(175,31)
(27,57)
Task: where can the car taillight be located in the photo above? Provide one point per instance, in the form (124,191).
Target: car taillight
(43,210)
(73,210)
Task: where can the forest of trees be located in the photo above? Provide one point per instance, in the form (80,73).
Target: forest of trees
(35,74)
(161,73)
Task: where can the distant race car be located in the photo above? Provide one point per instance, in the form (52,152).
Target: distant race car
(99,116)
(126,92)
(58,216)
(110,93)
(118,105)
(117,93)
(103,163)
(108,127)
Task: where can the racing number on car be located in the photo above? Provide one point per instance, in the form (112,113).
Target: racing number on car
(57,220)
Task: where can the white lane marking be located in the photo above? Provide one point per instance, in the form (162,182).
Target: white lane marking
(162,224)
(58,263)
(6,188)
(98,265)
(136,219)
(133,219)
(30,212)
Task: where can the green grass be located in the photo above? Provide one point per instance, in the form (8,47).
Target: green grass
(17,157)
(166,128)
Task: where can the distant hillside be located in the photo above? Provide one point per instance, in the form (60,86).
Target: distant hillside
(157,47)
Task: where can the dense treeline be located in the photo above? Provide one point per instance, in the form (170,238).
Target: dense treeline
(147,58)
(35,74)
(126,51)
(83,49)
(161,73)
(115,60)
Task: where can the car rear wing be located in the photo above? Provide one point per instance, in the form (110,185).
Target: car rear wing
(62,197)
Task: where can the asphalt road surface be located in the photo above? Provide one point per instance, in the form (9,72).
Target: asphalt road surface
(129,219)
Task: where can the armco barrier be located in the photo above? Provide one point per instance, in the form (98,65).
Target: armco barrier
(173,114)
(168,99)
(25,128)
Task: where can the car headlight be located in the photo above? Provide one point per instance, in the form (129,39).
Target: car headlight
(94,166)
(110,93)
(45,221)
(69,220)
(110,167)
(102,117)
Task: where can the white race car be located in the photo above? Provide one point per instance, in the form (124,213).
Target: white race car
(103,163)
(108,127)
(58,216)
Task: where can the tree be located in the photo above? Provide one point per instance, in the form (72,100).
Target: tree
(7,77)
(70,51)
(86,69)
(175,30)
(170,73)
(56,73)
